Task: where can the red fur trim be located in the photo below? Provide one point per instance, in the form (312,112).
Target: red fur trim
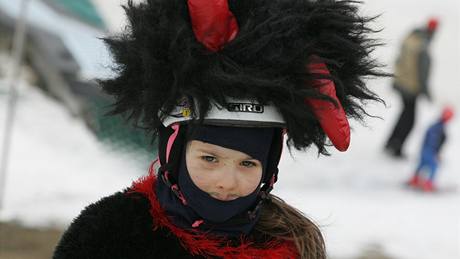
(203,244)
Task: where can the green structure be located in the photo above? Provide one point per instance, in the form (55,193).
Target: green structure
(116,132)
(82,9)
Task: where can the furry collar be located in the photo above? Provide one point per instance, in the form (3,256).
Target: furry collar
(203,244)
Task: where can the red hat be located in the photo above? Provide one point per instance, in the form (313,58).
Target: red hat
(432,24)
(447,114)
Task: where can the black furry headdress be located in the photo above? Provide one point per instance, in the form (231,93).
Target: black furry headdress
(159,60)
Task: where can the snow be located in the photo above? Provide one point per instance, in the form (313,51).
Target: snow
(81,39)
(57,166)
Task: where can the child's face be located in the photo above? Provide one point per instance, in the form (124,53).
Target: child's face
(223,173)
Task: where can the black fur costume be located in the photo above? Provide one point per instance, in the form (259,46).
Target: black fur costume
(159,60)
(118,226)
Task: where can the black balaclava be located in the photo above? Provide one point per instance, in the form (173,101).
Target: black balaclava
(212,214)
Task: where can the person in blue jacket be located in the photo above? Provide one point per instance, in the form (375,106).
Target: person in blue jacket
(435,137)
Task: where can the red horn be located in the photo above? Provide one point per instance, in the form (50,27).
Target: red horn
(332,118)
(213,23)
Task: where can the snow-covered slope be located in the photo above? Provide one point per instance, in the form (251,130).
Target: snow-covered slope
(57,166)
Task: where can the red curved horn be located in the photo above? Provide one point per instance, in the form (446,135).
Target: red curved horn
(332,118)
(213,23)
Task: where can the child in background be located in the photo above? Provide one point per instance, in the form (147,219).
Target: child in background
(429,159)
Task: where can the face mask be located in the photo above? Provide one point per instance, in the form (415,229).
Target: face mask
(217,215)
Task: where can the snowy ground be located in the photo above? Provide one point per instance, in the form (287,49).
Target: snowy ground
(57,166)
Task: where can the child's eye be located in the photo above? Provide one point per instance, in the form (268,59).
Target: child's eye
(210,159)
(248,164)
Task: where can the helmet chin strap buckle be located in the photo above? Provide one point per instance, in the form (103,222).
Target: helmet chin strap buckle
(178,193)
(164,174)
(264,195)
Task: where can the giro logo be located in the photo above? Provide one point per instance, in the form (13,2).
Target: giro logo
(245,107)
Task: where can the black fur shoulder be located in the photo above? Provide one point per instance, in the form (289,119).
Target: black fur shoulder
(118,226)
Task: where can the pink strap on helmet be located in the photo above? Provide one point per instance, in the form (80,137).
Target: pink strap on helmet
(171,140)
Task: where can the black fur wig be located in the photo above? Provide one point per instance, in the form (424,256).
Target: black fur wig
(159,60)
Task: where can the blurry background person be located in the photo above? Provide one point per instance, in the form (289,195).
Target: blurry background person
(411,80)
(435,137)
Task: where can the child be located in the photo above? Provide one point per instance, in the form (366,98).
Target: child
(435,137)
(221,83)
